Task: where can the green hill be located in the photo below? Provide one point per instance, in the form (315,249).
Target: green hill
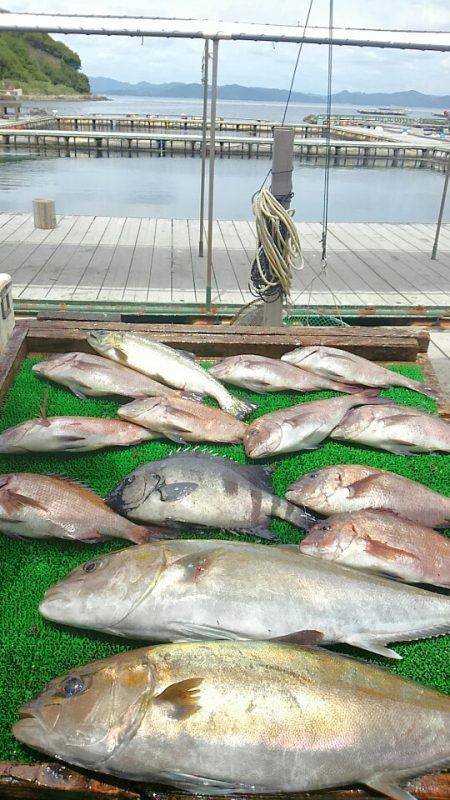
(38,64)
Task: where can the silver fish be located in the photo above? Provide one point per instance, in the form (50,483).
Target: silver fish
(260,374)
(74,434)
(341,365)
(86,374)
(201,589)
(300,427)
(241,717)
(43,506)
(400,429)
(353,487)
(167,365)
(183,420)
(383,543)
(201,490)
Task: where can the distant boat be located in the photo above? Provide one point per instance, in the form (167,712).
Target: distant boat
(383,111)
(442,114)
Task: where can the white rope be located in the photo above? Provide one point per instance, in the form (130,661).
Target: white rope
(278,239)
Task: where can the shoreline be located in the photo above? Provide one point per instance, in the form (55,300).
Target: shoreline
(67,97)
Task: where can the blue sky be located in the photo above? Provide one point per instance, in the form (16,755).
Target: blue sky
(262,64)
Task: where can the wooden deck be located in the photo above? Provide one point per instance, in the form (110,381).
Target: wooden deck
(138,260)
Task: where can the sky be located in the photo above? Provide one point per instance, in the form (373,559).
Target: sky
(264,64)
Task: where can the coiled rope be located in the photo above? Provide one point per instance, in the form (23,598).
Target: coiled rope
(277,249)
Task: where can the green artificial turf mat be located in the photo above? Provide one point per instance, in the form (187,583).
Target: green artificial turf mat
(34,651)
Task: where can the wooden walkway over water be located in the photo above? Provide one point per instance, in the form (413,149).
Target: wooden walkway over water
(134,260)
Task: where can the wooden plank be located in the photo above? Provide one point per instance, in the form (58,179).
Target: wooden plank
(136,288)
(12,356)
(76,267)
(223,267)
(90,282)
(116,277)
(377,343)
(12,225)
(56,780)
(61,256)
(159,290)
(239,260)
(33,276)
(182,274)
(199,265)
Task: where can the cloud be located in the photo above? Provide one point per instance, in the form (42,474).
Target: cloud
(261,64)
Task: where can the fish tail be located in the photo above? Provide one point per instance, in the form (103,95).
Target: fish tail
(297,515)
(348,388)
(238,407)
(140,534)
(370,397)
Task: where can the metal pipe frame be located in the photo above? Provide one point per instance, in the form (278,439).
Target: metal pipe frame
(212,161)
(232,31)
(441,211)
(204,140)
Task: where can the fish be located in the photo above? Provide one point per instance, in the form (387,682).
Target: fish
(182,420)
(300,427)
(383,543)
(88,375)
(352,487)
(202,490)
(206,589)
(164,363)
(71,434)
(261,374)
(36,506)
(400,429)
(241,717)
(330,362)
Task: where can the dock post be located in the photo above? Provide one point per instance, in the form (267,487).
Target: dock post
(281,188)
(441,210)
(44,214)
(204,132)
(212,158)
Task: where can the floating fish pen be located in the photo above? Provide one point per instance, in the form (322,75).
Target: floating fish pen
(344,153)
(35,651)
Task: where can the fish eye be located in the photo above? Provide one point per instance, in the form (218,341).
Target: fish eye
(72,686)
(130,479)
(90,566)
(313,474)
(325,527)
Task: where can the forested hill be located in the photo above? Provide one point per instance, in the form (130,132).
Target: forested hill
(39,64)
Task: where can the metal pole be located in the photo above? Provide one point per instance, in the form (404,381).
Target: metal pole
(212,157)
(204,133)
(281,188)
(441,210)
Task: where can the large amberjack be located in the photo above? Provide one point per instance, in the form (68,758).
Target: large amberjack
(229,717)
(234,590)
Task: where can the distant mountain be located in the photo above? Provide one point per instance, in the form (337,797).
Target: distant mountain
(236,92)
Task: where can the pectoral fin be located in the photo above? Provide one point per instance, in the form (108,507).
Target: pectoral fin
(386,785)
(184,696)
(359,488)
(197,784)
(301,638)
(78,393)
(385,551)
(119,354)
(13,502)
(172,492)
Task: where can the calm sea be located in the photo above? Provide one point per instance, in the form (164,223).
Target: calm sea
(169,187)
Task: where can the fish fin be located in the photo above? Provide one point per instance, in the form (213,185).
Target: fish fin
(398,418)
(238,407)
(422,388)
(358,488)
(190,630)
(151,533)
(119,354)
(305,637)
(172,492)
(259,475)
(14,535)
(262,531)
(65,437)
(78,393)
(196,784)
(15,501)
(173,436)
(44,407)
(197,396)
(382,550)
(372,646)
(385,784)
(400,449)
(186,353)
(183,696)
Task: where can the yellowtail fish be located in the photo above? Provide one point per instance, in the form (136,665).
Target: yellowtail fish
(201,589)
(42,506)
(353,487)
(330,362)
(174,367)
(241,717)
